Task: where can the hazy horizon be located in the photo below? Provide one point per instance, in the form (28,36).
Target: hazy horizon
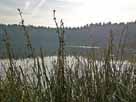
(73,12)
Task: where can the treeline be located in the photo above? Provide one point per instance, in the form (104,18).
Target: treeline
(88,35)
(78,27)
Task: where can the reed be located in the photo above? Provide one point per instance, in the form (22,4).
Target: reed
(86,79)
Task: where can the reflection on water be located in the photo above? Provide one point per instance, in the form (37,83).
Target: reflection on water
(50,62)
(83,47)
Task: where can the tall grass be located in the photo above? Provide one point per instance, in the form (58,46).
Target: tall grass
(88,80)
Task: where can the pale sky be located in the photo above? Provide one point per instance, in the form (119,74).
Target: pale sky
(73,12)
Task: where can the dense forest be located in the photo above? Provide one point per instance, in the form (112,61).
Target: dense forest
(88,35)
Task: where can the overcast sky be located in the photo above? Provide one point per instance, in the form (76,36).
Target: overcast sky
(73,12)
